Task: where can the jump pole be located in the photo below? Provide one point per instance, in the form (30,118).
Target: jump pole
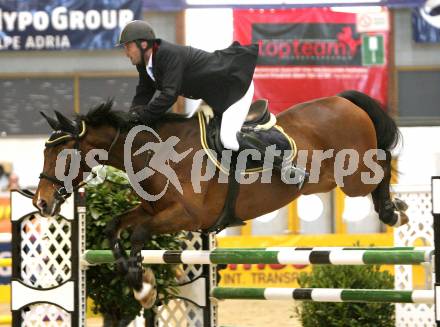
(325,295)
(299,257)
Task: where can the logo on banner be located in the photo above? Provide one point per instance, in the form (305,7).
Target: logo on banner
(308,44)
(372,22)
(373,50)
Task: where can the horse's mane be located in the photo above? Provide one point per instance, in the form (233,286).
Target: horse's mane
(103,114)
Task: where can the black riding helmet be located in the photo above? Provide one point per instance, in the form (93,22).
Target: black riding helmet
(137,31)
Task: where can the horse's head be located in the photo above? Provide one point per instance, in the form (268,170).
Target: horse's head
(61,153)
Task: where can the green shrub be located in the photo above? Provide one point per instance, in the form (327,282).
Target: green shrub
(314,314)
(111,295)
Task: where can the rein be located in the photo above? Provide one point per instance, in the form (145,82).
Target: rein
(62,193)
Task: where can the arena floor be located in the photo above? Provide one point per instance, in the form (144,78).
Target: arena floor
(245,313)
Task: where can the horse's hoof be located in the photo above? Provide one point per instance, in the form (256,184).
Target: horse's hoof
(148,293)
(400,205)
(402,219)
(180,274)
(146,296)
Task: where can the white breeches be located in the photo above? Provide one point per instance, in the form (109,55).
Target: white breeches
(233,119)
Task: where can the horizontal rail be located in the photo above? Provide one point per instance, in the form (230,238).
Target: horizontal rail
(325,295)
(299,256)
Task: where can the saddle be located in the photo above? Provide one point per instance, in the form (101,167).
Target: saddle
(262,124)
(259,121)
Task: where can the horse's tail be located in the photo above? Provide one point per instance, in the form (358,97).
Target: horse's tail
(387,133)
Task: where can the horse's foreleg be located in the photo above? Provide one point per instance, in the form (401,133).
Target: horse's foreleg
(138,238)
(141,280)
(170,220)
(113,230)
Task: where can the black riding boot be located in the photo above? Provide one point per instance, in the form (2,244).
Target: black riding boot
(287,170)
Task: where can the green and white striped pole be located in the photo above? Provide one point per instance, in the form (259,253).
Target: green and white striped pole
(325,295)
(298,256)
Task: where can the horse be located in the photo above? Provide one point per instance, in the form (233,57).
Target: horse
(349,120)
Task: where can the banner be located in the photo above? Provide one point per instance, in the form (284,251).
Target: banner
(164,5)
(5,213)
(316,52)
(64,25)
(426,28)
(5,272)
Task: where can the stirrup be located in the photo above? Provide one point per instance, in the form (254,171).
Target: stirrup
(298,173)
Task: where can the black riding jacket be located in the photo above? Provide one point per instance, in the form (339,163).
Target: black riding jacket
(220,78)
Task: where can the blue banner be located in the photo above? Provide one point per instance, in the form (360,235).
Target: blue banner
(426,28)
(403,3)
(5,272)
(64,24)
(164,5)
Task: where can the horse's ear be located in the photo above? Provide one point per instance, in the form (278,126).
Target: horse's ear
(66,124)
(52,122)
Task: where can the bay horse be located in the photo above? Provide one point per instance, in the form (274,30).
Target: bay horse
(350,120)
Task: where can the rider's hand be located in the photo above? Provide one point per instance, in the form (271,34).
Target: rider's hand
(133,118)
(136,113)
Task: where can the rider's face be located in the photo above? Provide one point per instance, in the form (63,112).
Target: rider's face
(132,52)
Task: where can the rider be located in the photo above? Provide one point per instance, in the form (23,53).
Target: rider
(223,79)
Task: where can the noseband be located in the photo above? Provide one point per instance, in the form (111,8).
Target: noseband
(61,193)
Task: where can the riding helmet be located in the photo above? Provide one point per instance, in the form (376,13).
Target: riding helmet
(136,30)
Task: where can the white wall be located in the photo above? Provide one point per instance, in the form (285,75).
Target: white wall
(419,157)
(209,29)
(26,156)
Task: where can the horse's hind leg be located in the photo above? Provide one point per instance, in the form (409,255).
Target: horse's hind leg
(390,212)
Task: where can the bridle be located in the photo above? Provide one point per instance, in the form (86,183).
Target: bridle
(62,193)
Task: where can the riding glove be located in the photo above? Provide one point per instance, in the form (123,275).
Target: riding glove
(137,115)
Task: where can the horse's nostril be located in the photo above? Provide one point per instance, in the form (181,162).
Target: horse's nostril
(41,204)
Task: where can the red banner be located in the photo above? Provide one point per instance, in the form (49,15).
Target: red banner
(315,52)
